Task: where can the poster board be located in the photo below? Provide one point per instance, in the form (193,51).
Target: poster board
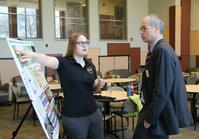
(37,88)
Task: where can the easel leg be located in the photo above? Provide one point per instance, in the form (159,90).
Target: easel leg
(14,133)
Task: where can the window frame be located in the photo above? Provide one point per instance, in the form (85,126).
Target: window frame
(13,20)
(86,22)
(124,27)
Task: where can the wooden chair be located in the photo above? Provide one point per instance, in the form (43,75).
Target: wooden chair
(193,80)
(117,105)
(137,83)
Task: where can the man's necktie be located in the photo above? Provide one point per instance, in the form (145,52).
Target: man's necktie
(148,56)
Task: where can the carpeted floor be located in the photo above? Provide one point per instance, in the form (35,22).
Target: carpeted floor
(30,131)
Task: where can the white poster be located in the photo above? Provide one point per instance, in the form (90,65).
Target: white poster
(37,88)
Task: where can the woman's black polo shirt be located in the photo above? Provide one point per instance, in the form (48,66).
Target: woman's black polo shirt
(77,83)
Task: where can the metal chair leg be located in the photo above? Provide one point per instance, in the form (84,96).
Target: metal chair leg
(14,111)
(122,128)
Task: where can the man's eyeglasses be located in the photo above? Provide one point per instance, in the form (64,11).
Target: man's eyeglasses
(83,43)
(144,28)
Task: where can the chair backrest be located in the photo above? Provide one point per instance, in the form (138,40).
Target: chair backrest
(17,79)
(129,106)
(13,89)
(136,77)
(115,88)
(191,79)
(122,73)
(141,69)
(20,93)
(138,82)
(99,74)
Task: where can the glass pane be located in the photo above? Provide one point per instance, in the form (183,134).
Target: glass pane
(30,11)
(31,26)
(70,16)
(112,19)
(21,11)
(57,27)
(21,26)
(4,32)
(3,9)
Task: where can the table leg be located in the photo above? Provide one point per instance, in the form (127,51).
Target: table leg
(193,110)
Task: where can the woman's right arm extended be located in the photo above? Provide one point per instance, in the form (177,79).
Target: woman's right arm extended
(49,61)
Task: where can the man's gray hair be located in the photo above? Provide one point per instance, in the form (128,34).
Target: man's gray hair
(156,21)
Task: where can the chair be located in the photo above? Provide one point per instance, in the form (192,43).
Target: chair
(117,105)
(115,88)
(20,95)
(137,83)
(141,69)
(107,117)
(122,73)
(193,98)
(4,95)
(190,80)
(196,107)
(129,110)
(99,74)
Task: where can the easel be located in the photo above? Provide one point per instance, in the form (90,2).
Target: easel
(14,133)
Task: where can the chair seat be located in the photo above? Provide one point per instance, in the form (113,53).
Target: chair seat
(125,114)
(116,105)
(23,100)
(197,105)
(107,117)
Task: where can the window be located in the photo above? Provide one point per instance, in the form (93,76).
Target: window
(112,19)
(70,16)
(20,19)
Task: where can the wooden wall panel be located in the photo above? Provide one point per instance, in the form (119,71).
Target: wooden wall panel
(184,37)
(194,41)
(94,53)
(106,64)
(197,61)
(125,49)
(121,62)
(185,31)
(172,26)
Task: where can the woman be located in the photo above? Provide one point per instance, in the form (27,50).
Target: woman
(82,118)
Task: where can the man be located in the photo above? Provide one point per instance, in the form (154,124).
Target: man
(165,107)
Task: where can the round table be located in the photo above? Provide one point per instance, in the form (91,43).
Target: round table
(120,80)
(193,89)
(118,95)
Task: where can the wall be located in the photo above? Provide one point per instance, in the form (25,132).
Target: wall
(194,42)
(59,46)
(125,49)
(136,10)
(162,9)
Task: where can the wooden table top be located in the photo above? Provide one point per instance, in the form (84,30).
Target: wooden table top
(192,88)
(118,95)
(54,86)
(120,80)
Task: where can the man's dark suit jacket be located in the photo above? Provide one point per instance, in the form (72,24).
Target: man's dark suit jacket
(164,92)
